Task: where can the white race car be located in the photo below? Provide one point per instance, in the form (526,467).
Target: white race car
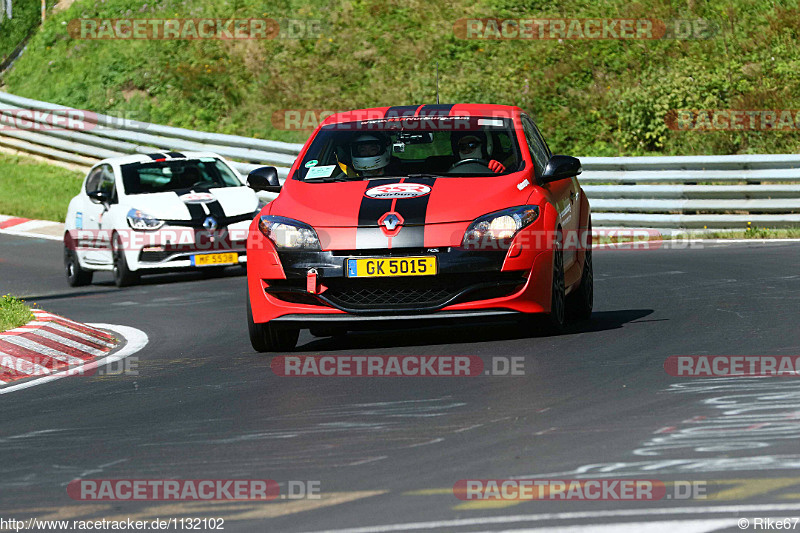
(155,212)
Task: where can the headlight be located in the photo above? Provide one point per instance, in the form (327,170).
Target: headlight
(142,221)
(288,234)
(496,230)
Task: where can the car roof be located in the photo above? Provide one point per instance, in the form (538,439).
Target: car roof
(154,156)
(426,110)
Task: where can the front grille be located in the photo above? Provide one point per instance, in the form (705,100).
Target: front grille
(419,292)
(382,298)
(146,256)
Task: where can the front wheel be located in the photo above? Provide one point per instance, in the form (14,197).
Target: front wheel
(76,275)
(123,276)
(265,337)
(556,319)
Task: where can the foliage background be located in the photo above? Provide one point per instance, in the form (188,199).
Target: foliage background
(589,97)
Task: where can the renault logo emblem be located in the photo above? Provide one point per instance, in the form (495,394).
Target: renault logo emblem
(391,223)
(210,223)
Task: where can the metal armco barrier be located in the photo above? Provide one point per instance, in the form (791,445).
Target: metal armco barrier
(105,136)
(694,192)
(672,192)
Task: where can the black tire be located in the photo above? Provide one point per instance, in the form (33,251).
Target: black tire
(556,319)
(123,276)
(581,300)
(268,338)
(76,276)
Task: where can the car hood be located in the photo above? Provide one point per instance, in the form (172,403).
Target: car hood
(417,201)
(231,201)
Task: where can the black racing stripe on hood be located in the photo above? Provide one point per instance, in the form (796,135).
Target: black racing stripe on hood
(435,110)
(401,111)
(215,208)
(157,156)
(175,154)
(196,211)
(414,212)
(368,235)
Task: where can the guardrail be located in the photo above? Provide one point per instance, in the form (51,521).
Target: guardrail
(694,192)
(684,192)
(104,136)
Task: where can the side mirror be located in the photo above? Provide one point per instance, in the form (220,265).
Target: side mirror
(561,167)
(100,197)
(264,179)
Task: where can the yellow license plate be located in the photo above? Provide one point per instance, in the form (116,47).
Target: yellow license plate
(230,258)
(391,266)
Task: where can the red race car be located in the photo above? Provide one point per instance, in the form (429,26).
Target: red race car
(418,212)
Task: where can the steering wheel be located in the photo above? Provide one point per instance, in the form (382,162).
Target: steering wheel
(203,183)
(471,160)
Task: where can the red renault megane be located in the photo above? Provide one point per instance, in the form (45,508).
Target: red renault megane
(418,212)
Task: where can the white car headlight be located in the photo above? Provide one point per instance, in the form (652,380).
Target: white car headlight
(288,234)
(141,221)
(498,228)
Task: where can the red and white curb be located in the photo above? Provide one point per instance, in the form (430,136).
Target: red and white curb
(26,227)
(51,347)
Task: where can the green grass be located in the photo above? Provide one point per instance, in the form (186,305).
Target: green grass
(591,98)
(750,233)
(753,233)
(26,16)
(13,313)
(36,190)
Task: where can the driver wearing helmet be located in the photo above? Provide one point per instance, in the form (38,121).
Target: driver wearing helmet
(475,145)
(371,154)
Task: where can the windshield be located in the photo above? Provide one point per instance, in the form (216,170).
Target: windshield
(177,175)
(443,146)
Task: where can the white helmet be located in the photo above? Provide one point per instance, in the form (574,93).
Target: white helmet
(370,152)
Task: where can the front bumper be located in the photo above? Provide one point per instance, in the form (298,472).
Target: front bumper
(468,284)
(172,248)
(462,276)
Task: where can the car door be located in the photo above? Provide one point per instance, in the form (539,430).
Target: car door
(94,217)
(562,192)
(570,222)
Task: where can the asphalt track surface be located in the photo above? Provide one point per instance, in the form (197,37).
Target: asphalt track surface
(387,451)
